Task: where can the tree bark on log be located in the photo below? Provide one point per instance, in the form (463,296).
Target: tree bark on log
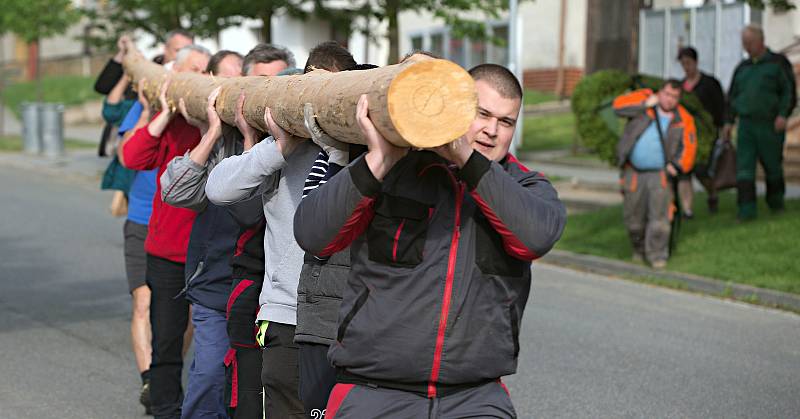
(419,104)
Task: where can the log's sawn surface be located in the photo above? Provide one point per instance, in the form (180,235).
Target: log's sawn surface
(419,104)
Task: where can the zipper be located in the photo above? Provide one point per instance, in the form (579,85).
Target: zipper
(448,290)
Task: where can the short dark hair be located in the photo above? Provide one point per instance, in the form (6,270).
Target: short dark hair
(499,77)
(687,52)
(329,56)
(365,66)
(213,62)
(420,52)
(181,32)
(267,53)
(673,83)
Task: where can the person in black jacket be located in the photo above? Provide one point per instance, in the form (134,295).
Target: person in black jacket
(441,243)
(709,92)
(113,71)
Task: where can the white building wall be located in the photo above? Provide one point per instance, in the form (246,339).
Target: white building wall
(373,49)
(540,31)
(781,29)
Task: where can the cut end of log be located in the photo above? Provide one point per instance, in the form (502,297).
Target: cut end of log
(432,103)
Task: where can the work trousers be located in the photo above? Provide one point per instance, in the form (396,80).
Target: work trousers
(647,211)
(280,373)
(758,141)
(206,386)
(169,316)
(353,401)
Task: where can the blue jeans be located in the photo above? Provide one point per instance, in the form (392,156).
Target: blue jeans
(205,390)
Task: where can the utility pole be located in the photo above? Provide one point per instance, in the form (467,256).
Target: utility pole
(2,84)
(515,63)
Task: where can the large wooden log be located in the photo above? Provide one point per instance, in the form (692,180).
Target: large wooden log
(419,104)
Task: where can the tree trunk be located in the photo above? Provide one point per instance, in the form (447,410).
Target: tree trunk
(420,104)
(266,26)
(394,31)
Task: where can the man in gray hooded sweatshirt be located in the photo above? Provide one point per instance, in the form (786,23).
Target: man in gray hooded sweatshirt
(276,169)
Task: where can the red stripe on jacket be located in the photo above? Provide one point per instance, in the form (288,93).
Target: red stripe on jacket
(169,228)
(512,245)
(354,226)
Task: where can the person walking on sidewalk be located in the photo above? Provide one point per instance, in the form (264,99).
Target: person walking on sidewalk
(762,96)
(441,244)
(659,142)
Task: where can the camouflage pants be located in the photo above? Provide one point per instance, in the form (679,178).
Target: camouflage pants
(647,210)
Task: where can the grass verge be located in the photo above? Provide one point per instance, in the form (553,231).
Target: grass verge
(534,97)
(762,253)
(69,90)
(13,143)
(548,132)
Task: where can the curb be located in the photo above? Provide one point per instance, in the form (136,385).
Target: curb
(690,282)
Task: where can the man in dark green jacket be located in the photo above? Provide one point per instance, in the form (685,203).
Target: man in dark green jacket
(762,96)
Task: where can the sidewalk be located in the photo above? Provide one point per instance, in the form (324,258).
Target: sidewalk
(83,166)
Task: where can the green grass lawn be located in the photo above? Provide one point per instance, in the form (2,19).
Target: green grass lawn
(12,143)
(69,90)
(763,253)
(548,132)
(533,97)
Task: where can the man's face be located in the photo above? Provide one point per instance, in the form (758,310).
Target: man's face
(196,62)
(493,128)
(173,45)
(271,68)
(752,43)
(689,65)
(668,98)
(230,66)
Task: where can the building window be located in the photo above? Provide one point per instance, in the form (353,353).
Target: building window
(477,53)
(465,52)
(499,53)
(416,43)
(437,44)
(457,51)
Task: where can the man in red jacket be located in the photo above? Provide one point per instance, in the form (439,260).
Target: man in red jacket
(154,146)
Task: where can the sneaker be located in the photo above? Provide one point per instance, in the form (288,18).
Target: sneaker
(659,264)
(144,397)
(688,215)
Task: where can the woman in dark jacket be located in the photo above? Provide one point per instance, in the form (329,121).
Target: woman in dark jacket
(709,92)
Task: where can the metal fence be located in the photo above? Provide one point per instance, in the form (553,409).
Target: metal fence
(713,30)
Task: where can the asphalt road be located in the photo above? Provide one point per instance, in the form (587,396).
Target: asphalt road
(591,346)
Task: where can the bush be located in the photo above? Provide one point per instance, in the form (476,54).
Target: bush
(600,129)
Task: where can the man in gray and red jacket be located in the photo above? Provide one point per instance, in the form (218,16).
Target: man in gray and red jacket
(441,243)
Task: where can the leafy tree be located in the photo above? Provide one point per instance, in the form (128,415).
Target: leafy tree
(451,11)
(777,5)
(32,20)
(204,18)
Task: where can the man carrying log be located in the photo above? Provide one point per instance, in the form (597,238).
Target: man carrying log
(228,286)
(277,171)
(153,146)
(211,241)
(441,246)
